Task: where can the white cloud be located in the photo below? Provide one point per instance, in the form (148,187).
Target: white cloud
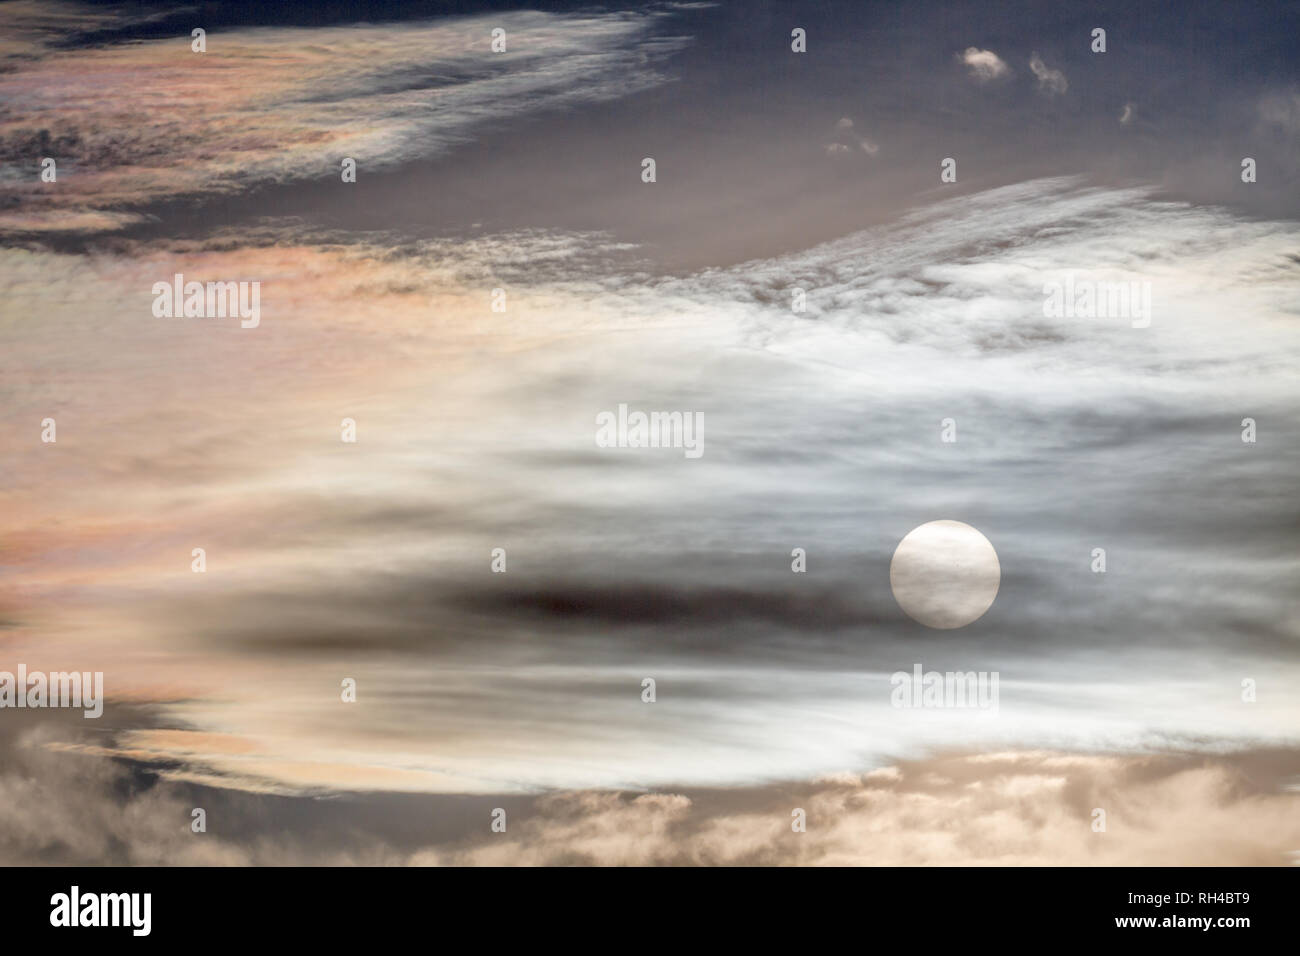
(984,65)
(848,140)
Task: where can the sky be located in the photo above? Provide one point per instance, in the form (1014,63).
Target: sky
(515,179)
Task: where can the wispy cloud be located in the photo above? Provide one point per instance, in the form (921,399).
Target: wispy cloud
(370,560)
(1281,110)
(308,579)
(136,123)
(1050,81)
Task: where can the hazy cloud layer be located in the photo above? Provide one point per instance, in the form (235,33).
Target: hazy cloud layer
(925,301)
(371,561)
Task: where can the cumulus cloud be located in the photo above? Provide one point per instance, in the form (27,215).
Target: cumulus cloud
(984,65)
(1050,81)
(68,806)
(1002,809)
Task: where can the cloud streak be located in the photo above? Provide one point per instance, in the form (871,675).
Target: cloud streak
(138,123)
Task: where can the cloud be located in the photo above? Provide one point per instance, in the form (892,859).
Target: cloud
(1128,115)
(984,65)
(1281,110)
(70,806)
(373,565)
(849,140)
(1051,82)
(369,560)
(59,808)
(995,809)
(153,120)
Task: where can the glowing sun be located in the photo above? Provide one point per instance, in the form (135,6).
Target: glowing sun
(945,574)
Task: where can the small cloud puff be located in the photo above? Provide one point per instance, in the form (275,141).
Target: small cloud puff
(848,141)
(984,65)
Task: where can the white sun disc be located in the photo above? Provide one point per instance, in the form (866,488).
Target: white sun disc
(945,574)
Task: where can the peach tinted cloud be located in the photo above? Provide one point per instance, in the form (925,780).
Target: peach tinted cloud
(1017,808)
(148,121)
